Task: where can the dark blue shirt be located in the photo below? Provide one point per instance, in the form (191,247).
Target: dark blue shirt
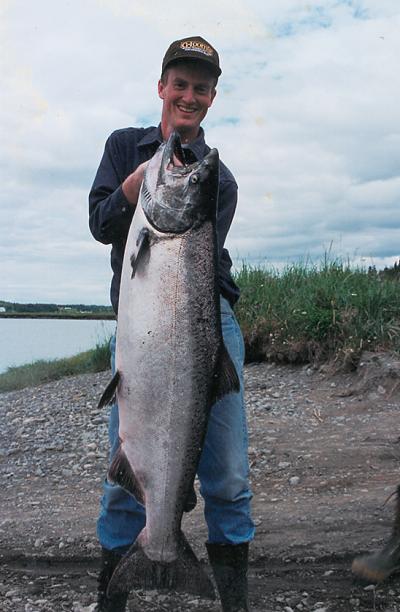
(110,213)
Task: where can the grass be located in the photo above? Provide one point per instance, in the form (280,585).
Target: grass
(318,313)
(305,313)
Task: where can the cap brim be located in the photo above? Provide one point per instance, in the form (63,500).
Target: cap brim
(210,65)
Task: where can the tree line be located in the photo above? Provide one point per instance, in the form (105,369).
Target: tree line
(18,307)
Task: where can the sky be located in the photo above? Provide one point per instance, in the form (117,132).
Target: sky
(306,116)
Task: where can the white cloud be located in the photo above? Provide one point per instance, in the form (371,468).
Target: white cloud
(306,117)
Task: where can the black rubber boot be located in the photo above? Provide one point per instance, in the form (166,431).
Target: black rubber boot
(379,565)
(116,603)
(229,564)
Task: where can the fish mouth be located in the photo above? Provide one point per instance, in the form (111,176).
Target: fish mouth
(173,159)
(173,152)
(182,195)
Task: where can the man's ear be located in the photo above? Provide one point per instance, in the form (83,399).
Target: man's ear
(213,94)
(161,89)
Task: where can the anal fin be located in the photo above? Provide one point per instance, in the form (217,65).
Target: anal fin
(121,473)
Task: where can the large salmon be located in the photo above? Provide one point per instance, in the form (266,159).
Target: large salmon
(171,363)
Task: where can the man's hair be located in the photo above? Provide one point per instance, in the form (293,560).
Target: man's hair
(189,64)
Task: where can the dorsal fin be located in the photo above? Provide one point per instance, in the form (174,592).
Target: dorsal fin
(228,380)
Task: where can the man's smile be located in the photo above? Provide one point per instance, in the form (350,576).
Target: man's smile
(186,109)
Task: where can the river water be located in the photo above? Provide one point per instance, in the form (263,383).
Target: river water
(26,340)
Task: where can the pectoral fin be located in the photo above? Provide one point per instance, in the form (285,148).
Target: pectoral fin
(108,396)
(142,256)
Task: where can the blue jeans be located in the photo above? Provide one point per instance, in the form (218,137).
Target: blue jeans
(223,469)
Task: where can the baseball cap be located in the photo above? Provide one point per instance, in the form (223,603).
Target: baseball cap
(192,48)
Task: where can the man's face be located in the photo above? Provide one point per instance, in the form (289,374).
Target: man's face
(187,94)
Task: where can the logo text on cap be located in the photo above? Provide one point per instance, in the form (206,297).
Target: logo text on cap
(194,45)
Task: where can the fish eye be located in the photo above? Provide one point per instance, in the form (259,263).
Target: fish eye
(194,178)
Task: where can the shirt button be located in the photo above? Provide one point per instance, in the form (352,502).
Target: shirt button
(123,209)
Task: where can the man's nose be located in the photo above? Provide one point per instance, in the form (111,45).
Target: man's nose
(189,95)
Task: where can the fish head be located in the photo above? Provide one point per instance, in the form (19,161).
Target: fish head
(177,197)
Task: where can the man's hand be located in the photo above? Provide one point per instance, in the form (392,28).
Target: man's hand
(132,183)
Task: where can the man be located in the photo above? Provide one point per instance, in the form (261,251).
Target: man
(187,88)
(379,565)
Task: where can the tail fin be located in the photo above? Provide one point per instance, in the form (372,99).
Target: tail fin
(137,571)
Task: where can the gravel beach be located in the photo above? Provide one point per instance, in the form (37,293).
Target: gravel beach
(324,455)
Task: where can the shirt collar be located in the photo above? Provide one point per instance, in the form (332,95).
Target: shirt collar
(197,146)
(153,136)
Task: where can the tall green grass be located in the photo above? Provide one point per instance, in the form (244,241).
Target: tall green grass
(317,312)
(305,313)
(39,372)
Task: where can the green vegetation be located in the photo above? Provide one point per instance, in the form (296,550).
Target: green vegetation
(39,372)
(319,313)
(305,313)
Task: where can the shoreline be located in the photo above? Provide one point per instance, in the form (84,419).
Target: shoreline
(48,315)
